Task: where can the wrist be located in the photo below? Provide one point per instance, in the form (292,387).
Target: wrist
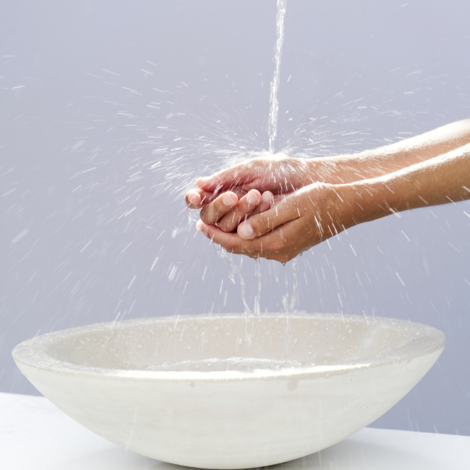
(358,202)
(341,169)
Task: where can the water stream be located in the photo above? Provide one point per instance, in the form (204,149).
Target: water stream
(274,101)
(289,302)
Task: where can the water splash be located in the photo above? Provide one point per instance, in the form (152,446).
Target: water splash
(289,299)
(235,270)
(257,305)
(274,111)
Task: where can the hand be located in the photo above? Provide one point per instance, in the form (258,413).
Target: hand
(283,175)
(226,211)
(293,225)
(319,211)
(218,195)
(277,174)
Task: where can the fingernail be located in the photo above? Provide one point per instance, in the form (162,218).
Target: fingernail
(199,225)
(267,196)
(245,230)
(194,199)
(202,180)
(227,200)
(252,198)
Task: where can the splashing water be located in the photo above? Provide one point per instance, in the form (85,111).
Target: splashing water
(274,112)
(235,270)
(155,158)
(257,306)
(289,301)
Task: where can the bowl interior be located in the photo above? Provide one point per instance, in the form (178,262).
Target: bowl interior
(233,342)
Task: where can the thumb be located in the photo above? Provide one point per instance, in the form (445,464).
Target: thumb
(265,222)
(226,179)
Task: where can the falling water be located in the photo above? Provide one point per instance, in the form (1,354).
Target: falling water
(274,111)
(288,301)
(257,306)
(272,129)
(236,270)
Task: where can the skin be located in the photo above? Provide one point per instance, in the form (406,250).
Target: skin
(227,211)
(425,170)
(319,211)
(225,197)
(282,175)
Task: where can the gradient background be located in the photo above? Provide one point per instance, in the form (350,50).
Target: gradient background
(95,94)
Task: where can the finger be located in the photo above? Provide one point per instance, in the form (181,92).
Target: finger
(197,198)
(206,197)
(193,198)
(271,246)
(230,241)
(267,200)
(261,224)
(236,176)
(229,222)
(212,212)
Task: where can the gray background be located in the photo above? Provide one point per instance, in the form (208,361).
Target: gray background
(84,215)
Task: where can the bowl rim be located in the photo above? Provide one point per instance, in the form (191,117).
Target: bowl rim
(34,352)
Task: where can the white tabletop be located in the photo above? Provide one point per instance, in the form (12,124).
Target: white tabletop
(35,435)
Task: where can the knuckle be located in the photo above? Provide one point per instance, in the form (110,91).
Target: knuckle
(259,228)
(223,225)
(235,218)
(205,215)
(228,223)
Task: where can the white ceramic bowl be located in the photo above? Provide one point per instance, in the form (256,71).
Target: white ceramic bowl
(225,391)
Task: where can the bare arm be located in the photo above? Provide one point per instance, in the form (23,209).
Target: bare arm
(268,178)
(388,159)
(439,180)
(320,211)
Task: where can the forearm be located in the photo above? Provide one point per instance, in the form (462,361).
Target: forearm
(440,180)
(391,158)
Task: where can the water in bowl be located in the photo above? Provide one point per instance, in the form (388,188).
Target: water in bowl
(238,364)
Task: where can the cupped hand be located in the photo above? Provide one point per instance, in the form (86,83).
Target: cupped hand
(233,195)
(291,226)
(278,174)
(227,211)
